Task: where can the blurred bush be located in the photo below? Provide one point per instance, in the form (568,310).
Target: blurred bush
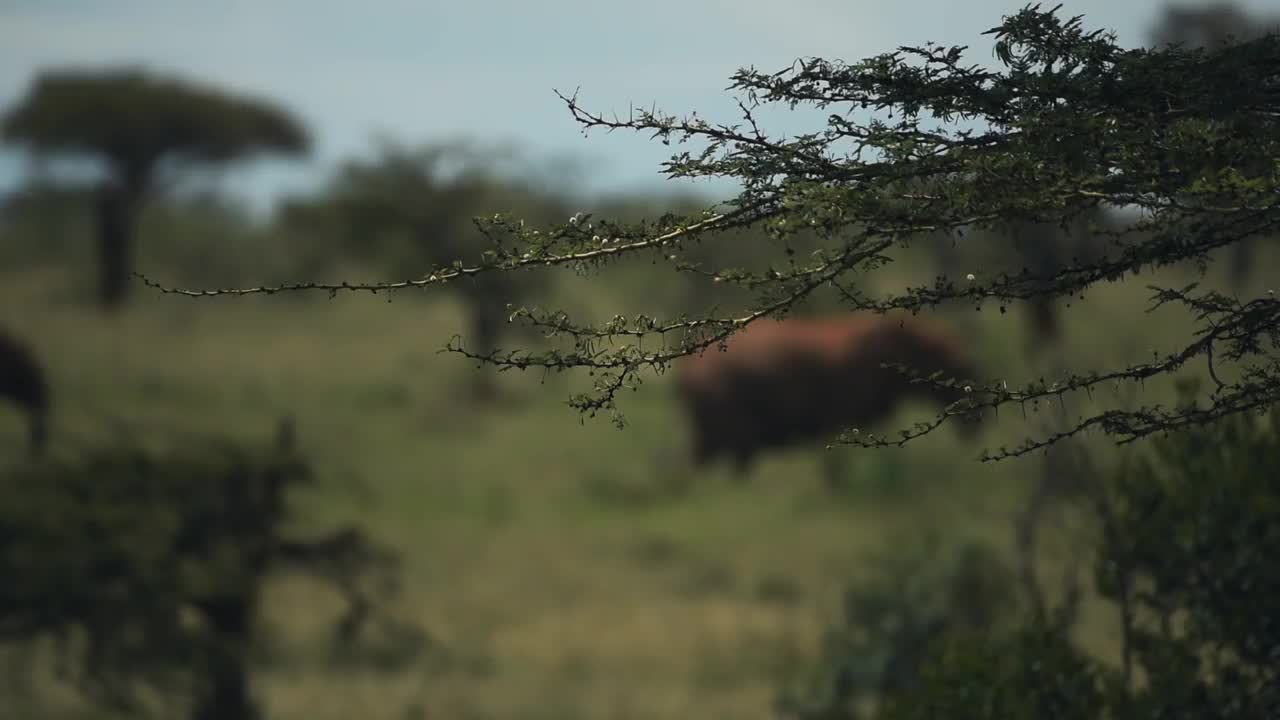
(1030,673)
(1190,556)
(1186,558)
(146,568)
(922,591)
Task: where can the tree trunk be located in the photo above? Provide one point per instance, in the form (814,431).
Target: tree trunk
(117,212)
(486,319)
(1241,263)
(38,433)
(227,696)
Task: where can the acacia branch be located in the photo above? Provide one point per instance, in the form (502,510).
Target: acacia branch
(444,275)
(1072,122)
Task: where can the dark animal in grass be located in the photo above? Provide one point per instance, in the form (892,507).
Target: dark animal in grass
(23,383)
(786,383)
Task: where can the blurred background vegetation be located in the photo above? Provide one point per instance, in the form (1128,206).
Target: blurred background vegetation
(297,507)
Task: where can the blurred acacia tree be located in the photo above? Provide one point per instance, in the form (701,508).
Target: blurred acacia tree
(147,567)
(922,142)
(415,207)
(142,127)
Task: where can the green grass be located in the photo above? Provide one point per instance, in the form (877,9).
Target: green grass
(561,570)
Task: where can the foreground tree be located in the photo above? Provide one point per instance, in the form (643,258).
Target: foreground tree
(141,127)
(1214,26)
(1069,121)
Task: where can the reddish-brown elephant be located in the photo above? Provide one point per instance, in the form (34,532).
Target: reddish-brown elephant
(783,383)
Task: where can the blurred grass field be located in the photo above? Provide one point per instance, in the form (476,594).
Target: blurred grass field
(559,569)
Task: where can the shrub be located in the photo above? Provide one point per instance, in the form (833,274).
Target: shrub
(147,566)
(1190,533)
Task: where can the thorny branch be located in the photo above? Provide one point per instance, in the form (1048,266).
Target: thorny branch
(1238,327)
(1072,122)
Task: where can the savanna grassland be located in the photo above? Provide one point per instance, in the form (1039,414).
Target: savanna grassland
(556,569)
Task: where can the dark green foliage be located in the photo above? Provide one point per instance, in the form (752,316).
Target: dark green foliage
(923,593)
(1029,674)
(1211,27)
(147,566)
(1190,534)
(1196,535)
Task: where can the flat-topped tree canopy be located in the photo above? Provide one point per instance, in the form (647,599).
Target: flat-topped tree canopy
(134,117)
(139,123)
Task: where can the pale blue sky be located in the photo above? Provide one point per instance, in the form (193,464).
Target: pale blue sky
(485,69)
